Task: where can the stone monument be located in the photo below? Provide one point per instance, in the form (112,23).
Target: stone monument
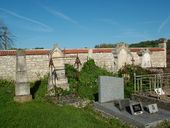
(22,87)
(146,59)
(110,88)
(57,70)
(122,56)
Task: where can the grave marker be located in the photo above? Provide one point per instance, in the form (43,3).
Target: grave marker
(57,71)
(110,88)
(22,87)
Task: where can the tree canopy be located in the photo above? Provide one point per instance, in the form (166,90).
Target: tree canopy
(148,43)
(105,45)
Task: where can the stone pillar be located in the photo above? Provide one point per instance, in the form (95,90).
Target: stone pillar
(22,87)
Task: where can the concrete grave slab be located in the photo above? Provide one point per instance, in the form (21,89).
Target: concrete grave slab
(145,120)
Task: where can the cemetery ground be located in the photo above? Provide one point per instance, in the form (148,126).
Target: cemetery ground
(40,113)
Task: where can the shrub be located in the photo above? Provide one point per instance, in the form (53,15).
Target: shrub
(89,74)
(84,83)
(127,72)
(73,77)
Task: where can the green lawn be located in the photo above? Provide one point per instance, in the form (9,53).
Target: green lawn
(41,114)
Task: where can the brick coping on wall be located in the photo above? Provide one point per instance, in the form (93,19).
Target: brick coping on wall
(72,51)
(27,52)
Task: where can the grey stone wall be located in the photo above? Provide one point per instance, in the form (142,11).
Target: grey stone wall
(7,67)
(104,60)
(158,59)
(37,66)
(107,60)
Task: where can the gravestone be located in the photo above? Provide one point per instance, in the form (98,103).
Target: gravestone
(57,70)
(122,56)
(146,59)
(22,87)
(110,88)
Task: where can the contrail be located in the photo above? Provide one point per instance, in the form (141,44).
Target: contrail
(48,28)
(60,14)
(163,24)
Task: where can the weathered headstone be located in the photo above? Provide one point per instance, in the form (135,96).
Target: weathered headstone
(22,87)
(57,70)
(110,88)
(122,56)
(146,59)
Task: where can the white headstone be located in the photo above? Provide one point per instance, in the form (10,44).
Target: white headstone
(146,60)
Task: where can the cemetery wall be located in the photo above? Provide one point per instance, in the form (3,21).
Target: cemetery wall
(38,60)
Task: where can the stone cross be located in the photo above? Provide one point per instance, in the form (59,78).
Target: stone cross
(22,87)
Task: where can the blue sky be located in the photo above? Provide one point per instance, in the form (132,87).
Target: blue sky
(84,23)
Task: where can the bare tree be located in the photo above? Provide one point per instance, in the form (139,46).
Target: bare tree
(6,41)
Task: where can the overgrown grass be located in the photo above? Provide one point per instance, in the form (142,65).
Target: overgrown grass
(41,114)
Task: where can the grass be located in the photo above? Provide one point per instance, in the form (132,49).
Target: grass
(42,114)
(46,115)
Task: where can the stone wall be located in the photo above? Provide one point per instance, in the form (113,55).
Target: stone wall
(106,59)
(37,65)
(7,67)
(158,58)
(38,60)
(101,57)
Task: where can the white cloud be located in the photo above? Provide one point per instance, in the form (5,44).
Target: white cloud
(44,27)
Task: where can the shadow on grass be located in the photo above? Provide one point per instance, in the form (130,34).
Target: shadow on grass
(35,88)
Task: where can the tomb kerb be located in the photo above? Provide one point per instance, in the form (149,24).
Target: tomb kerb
(22,87)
